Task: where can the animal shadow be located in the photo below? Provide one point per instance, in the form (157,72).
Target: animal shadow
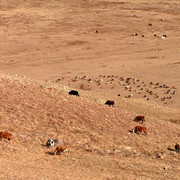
(131,131)
(43,145)
(50,153)
(171,149)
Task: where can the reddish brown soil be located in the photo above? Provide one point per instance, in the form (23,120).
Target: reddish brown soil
(55,46)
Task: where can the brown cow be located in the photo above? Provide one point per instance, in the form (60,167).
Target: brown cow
(110,103)
(138,129)
(5,135)
(60,149)
(139,118)
(177,148)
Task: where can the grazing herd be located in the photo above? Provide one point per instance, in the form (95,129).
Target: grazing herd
(130,87)
(62,148)
(155,35)
(137,129)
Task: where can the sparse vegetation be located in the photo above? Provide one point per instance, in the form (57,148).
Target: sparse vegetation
(124,52)
(33,115)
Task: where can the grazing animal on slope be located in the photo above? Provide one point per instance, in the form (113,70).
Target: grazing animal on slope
(5,135)
(110,103)
(73,92)
(139,118)
(139,129)
(50,142)
(177,148)
(60,149)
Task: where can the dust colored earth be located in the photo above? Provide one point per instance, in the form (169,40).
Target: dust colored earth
(125,51)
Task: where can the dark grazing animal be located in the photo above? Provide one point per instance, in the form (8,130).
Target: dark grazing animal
(73,92)
(110,103)
(139,118)
(139,129)
(5,135)
(177,148)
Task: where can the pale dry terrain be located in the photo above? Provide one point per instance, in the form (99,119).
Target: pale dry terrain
(50,47)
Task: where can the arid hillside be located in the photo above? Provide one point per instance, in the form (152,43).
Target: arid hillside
(125,51)
(100,143)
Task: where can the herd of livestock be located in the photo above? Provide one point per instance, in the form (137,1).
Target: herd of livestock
(63,148)
(137,129)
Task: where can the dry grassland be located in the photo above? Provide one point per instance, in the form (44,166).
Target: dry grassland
(50,47)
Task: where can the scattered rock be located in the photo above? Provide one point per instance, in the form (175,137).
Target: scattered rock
(160,155)
(128,148)
(59,142)
(162,19)
(87,147)
(117,150)
(130,166)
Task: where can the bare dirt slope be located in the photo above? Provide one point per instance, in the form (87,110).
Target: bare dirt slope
(89,46)
(100,144)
